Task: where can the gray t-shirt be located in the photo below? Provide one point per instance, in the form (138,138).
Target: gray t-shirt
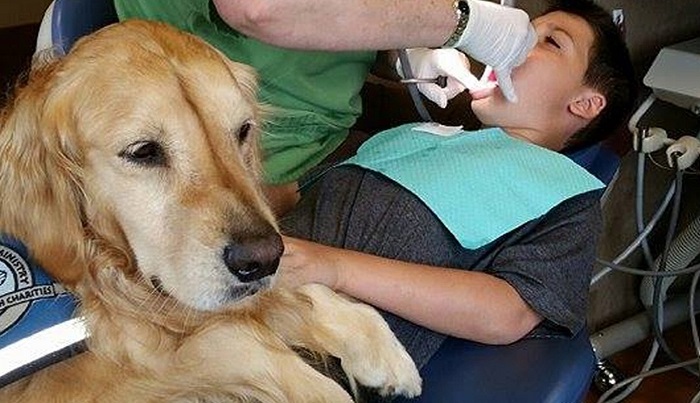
(548,260)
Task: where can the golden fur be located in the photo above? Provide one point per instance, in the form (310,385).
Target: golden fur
(129,160)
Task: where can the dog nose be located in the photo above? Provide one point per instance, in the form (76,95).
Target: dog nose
(255,257)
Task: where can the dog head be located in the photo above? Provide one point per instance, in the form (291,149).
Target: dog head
(138,151)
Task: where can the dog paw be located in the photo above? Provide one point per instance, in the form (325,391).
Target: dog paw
(382,363)
(368,350)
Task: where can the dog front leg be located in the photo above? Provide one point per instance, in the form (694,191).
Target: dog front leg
(249,362)
(358,335)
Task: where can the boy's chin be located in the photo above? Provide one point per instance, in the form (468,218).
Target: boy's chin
(485,110)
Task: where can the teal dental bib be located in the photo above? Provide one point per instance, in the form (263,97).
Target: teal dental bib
(480,184)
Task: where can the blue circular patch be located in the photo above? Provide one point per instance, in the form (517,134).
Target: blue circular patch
(30,300)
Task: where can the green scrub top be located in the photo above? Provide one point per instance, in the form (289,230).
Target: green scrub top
(315,94)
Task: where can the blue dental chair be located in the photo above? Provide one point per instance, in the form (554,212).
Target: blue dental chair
(533,370)
(67,20)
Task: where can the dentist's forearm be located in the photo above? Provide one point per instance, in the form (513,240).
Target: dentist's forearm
(342,24)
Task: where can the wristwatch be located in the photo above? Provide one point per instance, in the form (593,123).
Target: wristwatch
(461,8)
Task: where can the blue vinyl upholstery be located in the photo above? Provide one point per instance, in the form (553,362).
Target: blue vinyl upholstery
(598,160)
(75,18)
(528,371)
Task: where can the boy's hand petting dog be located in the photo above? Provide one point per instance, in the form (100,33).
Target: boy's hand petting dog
(305,262)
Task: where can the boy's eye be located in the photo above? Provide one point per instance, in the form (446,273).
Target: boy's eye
(550,40)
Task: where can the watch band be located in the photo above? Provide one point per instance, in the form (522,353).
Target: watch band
(461,8)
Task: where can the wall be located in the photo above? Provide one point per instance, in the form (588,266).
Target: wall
(19,24)
(21,12)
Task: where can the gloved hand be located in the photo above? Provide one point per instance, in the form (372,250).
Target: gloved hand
(500,37)
(431,63)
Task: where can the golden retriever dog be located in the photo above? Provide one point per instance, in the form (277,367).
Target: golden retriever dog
(130,170)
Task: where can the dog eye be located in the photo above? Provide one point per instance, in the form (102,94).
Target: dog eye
(145,153)
(244,130)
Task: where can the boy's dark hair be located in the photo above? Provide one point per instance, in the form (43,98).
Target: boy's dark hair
(609,71)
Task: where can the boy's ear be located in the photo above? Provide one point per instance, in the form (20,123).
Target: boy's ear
(588,104)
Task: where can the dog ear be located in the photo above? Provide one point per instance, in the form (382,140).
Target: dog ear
(245,76)
(41,178)
(247,79)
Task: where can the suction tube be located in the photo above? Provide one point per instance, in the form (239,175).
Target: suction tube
(684,249)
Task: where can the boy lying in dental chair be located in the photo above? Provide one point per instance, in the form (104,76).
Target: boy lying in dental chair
(487,235)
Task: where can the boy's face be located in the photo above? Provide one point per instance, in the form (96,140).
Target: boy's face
(546,83)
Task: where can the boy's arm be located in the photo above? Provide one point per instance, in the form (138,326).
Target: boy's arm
(465,304)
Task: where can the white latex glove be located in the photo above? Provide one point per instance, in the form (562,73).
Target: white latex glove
(500,37)
(431,63)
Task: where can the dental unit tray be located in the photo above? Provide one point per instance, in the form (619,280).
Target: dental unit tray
(674,76)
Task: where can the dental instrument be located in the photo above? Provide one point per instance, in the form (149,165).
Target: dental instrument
(441,81)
